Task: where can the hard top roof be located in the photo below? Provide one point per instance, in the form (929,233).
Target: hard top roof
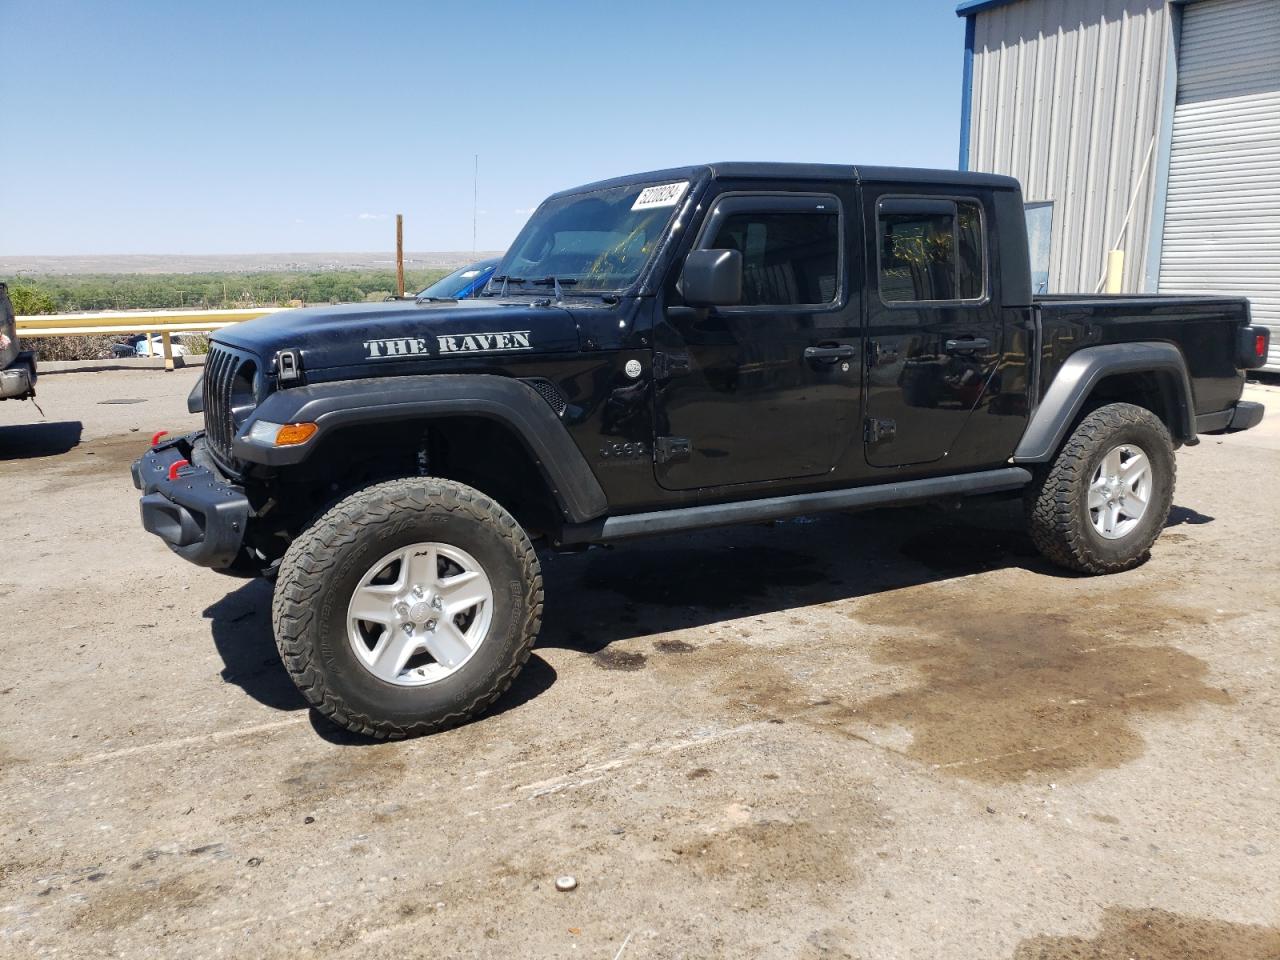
(748,170)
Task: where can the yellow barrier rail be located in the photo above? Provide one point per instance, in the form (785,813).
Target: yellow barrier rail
(148,322)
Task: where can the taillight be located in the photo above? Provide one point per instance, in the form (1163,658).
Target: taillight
(1255,343)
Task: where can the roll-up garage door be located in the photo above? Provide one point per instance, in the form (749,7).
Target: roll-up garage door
(1222,214)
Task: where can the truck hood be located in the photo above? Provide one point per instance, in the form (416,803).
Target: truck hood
(370,333)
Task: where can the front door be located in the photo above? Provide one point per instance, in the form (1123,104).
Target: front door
(768,389)
(933,336)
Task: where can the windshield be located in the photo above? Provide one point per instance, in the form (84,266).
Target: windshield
(599,240)
(461,283)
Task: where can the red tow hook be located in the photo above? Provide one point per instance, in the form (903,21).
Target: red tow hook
(176,467)
(155,437)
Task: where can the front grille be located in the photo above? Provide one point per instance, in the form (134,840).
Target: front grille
(220,369)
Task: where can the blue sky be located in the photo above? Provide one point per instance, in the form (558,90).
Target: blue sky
(238,127)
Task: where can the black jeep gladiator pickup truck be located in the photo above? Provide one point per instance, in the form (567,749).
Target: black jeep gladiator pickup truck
(667,352)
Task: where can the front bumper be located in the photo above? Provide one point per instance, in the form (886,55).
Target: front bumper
(200,514)
(18,380)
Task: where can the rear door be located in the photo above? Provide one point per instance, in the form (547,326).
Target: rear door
(768,389)
(933,333)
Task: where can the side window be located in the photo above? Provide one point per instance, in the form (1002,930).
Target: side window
(788,258)
(930,250)
(1039,242)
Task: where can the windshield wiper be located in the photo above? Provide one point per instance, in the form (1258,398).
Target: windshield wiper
(556,283)
(505,279)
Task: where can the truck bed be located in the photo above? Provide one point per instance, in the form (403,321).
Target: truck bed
(1197,325)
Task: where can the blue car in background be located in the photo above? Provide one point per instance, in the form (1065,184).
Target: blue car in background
(462,284)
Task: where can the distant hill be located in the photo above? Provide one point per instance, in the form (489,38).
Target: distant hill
(145,263)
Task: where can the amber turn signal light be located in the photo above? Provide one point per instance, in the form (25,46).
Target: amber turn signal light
(292,434)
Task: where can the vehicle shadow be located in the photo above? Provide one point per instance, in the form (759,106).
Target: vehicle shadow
(241,626)
(46,439)
(1180,515)
(599,596)
(651,587)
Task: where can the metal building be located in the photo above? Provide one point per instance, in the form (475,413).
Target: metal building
(1147,126)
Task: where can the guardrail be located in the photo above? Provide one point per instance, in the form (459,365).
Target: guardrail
(148,322)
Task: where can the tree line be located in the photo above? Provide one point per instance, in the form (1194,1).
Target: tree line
(205,291)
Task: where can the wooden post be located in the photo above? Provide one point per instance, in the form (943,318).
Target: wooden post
(399,255)
(166,340)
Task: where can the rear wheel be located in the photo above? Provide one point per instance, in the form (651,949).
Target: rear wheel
(408,607)
(1106,496)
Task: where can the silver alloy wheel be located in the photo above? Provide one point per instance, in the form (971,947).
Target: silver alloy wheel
(420,613)
(1120,491)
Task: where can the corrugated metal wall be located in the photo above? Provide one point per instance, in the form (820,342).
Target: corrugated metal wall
(1066,97)
(1222,219)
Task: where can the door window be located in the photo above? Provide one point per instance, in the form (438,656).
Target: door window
(931,250)
(790,248)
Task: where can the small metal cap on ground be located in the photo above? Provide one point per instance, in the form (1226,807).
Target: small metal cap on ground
(566,883)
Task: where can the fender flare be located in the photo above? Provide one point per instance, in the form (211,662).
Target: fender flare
(513,403)
(1083,370)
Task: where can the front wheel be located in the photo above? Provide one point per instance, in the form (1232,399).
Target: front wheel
(407,608)
(1106,497)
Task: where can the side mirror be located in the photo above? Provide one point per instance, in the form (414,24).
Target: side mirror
(712,278)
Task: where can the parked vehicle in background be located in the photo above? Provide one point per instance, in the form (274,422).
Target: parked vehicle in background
(137,345)
(461,284)
(128,347)
(17,367)
(154,347)
(663,353)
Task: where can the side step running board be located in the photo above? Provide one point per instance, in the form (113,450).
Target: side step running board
(776,508)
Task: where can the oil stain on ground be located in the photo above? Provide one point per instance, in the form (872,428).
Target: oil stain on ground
(674,646)
(610,659)
(755,852)
(1158,935)
(1011,686)
(816,843)
(108,457)
(119,905)
(343,771)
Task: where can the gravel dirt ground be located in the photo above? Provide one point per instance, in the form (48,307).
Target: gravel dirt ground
(888,735)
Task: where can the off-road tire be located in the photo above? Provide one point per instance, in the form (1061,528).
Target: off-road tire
(1057,502)
(323,566)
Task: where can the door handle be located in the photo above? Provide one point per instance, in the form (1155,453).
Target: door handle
(969,345)
(829,354)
